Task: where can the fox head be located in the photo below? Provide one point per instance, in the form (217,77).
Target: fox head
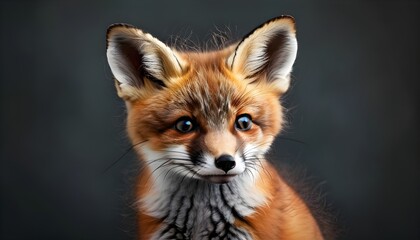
(203,115)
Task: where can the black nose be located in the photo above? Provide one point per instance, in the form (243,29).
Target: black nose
(225,162)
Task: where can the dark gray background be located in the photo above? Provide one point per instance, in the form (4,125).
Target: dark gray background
(354,103)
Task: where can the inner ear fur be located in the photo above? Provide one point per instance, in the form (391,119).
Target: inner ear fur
(138,60)
(267,53)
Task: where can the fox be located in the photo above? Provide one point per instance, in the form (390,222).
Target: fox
(201,122)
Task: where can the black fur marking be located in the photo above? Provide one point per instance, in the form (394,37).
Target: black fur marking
(218,225)
(133,58)
(234,194)
(115,25)
(187,214)
(273,53)
(232,208)
(160,84)
(255,29)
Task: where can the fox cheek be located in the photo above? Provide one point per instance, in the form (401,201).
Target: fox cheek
(195,154)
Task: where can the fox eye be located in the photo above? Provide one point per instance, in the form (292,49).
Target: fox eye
(243,122)
(184,125)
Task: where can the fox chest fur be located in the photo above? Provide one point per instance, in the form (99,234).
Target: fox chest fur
(198,210)
(201,123)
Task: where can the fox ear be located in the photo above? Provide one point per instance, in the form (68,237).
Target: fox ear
(267,53)
(139,61)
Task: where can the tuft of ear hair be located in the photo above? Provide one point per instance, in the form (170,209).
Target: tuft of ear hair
(267,53)
(138,60)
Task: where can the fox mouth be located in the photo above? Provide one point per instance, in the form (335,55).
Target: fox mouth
(225,178)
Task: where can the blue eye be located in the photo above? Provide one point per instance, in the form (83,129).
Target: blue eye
(243,122)
(184,125)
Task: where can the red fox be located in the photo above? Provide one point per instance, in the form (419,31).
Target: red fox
(201,122)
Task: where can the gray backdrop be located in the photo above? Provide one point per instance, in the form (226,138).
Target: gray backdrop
(354,104)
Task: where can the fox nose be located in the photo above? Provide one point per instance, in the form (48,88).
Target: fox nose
(225,162)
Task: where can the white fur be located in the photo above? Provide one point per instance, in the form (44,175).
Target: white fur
(209,168)
(164,183)
(251,55)
(124,76)
(154,55)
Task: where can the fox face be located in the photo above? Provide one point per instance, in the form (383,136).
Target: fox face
(203,115)
(201,123)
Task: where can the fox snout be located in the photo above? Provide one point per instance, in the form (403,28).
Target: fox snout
(219,143)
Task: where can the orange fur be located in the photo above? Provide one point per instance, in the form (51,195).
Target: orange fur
(213,89)
(147,225)
(285,216)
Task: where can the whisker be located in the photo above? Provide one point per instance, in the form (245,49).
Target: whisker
(161,165)
(170,170)
(254,147)
(239,146)
(122,156)
(252,165)
(179,152)
(154,170)
(250,173)
(291,139)
(255,160)
(166,173)
(188,171)
(181,159)
(262,166)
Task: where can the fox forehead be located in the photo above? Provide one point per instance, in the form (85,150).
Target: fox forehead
(208,91)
